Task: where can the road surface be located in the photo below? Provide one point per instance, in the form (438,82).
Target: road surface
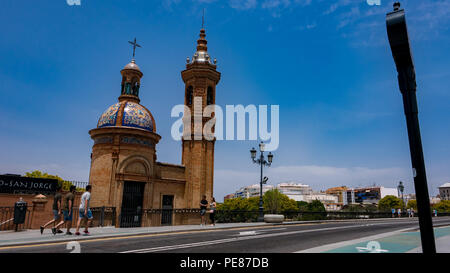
(263,239)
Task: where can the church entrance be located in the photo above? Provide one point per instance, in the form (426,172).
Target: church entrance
(132,201)
(167,210)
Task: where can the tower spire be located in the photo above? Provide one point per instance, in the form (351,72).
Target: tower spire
(135,44)
(203,18)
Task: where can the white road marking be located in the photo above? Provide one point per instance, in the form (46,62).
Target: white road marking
(221,241)
(351,242)
(255,232)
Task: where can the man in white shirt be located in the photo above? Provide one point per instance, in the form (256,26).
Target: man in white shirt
(85,212)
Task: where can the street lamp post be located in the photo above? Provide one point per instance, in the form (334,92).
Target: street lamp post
(262,162)
(400,189)
(401,51)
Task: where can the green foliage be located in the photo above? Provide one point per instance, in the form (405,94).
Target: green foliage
(412,204)
(316,206)
(311,211)
(360,208)
(389,202)
(302,205)
(443,206)
(276,202)
(61,182)
(238,210)
(247,210)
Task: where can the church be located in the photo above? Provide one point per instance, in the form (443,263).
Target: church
(125,172)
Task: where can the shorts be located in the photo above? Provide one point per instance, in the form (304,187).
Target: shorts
(56,214)
(202,212)
(67,217)
(89,214)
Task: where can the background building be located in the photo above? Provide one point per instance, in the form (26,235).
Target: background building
(295,191)
(444,191)
(369,195)
(252,191)
(125,173)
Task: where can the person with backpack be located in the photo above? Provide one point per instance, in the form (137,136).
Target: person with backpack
(56,211)
(85,212)
(68,209)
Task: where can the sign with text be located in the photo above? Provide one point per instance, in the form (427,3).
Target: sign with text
(19,184)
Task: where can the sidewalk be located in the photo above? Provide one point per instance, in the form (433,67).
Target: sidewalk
(32,236)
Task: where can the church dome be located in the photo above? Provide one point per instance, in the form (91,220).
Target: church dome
(132,66)
(127,114)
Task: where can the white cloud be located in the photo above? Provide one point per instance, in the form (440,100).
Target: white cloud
(243,4)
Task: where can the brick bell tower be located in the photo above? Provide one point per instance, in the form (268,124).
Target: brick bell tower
(200,79)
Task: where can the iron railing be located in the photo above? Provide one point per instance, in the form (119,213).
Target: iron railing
(79,184)
(106,216)
(7,219)
(103,216)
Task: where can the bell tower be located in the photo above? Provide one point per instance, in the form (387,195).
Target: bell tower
(200,78)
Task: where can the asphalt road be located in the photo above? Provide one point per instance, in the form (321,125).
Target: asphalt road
(267,239)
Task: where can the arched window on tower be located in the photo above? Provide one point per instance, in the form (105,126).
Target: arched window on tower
(209,96)
(189,95)
(122,90)
(135,86)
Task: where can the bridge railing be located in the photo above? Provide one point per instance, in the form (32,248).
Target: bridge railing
(103,216)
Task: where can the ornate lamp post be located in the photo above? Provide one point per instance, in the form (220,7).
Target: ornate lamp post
(401,51)
(400,189)
(262,162)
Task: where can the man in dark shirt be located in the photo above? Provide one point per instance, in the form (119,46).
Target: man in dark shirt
(203,206)
(56,211)
(68,209)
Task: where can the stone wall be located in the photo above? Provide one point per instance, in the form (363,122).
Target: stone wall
(41,210)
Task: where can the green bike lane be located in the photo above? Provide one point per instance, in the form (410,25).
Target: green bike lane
(403,242)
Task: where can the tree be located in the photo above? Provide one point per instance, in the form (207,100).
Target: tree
(353,208)
(302,205)
(276,202)
(389,202)
(61,182)
(238,210)
(443,206)
(412,204)
(316,206)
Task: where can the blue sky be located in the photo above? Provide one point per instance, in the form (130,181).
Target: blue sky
(327,64)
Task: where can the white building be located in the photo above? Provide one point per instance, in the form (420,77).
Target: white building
(322,197)
(388,191)
(252,191)
(444,191)
(295,191)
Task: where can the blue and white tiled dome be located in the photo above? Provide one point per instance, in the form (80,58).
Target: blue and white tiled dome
(131,114)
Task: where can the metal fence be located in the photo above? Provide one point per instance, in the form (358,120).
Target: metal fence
(79,184)
(158,217)
(103,216)
(7,219)
(106,216)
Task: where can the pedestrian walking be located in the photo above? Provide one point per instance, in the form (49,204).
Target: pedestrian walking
(68,209)
(435,213)
(399,212)
(393,213)
(212,211)
(85,212)
(409,213)
(203,206)
(412,212)
(56,211)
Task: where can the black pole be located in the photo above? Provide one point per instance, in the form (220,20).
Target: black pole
(401,51)
(418,165)
(261,208)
